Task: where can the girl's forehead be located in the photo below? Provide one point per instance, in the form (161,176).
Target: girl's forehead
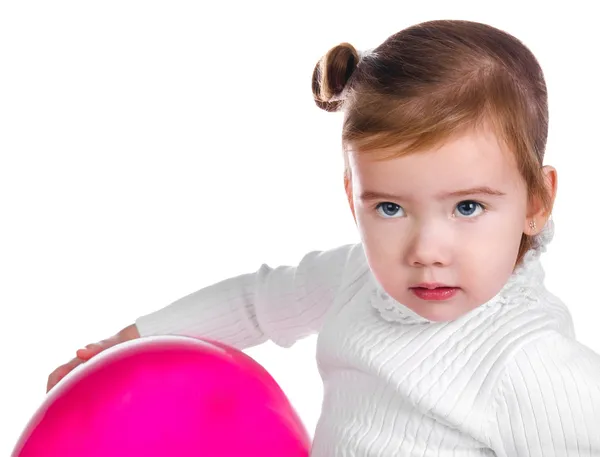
(475,158)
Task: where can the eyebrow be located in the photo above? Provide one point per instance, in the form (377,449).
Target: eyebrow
(368,195)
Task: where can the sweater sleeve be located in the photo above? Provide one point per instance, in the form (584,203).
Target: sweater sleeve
(282,304)
(548,402)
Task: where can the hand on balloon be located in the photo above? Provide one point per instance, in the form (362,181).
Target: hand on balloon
(91,350)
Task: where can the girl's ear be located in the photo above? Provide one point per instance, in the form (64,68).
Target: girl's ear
(538,214)
(349,194)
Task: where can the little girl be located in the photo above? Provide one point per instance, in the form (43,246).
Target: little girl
(437,336)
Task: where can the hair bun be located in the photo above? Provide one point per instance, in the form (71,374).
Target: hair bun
(331,74)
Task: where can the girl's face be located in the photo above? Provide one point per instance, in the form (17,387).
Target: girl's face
(452,217)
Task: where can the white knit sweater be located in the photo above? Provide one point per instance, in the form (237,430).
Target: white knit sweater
(506,379)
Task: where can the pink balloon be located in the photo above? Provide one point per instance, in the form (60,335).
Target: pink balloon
(167,396)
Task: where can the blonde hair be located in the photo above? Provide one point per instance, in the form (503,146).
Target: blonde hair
(434,80)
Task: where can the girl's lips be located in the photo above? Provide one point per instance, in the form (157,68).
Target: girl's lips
(435,294)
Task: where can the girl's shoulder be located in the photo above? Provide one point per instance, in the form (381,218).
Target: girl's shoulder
(558,351)
(549,393)
(554,362)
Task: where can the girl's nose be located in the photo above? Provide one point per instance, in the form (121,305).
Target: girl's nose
(429,247)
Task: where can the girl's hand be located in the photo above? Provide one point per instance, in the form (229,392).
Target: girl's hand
(91,350)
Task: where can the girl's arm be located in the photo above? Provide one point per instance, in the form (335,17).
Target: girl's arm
(281,304)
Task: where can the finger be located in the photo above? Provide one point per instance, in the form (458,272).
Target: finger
(56,376)
(89,351)
(61,372)
(51,382)
(84,354)
(53,379)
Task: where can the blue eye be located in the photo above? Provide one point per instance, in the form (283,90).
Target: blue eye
(469,208)
(388,209)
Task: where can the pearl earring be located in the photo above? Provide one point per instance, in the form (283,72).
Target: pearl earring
(532,225)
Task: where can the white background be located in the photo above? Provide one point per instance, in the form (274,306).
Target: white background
(149,149)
